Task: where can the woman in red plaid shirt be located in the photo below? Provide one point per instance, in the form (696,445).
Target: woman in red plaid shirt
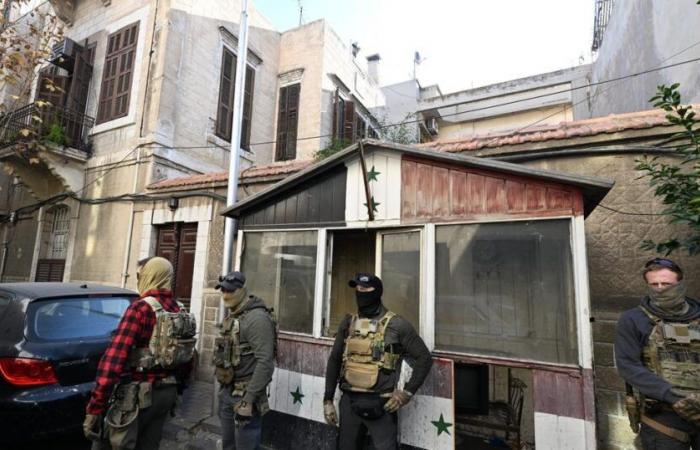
(134,332)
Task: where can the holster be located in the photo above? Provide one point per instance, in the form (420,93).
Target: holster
(121,418)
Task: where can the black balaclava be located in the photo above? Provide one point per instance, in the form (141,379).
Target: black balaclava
(369,304)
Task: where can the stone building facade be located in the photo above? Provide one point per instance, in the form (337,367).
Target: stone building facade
(155,84)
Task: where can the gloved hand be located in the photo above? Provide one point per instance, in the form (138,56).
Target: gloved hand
(329,413)
(398,400)
(243,413)
(689,408)
(91,428)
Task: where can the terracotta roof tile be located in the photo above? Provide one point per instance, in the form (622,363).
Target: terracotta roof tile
(251,173)
(581,128)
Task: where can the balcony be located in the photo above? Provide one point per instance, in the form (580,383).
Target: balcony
(58,164)
(51,125)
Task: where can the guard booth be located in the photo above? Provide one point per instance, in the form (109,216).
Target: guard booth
(486,259)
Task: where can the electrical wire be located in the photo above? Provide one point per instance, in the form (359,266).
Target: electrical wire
(627,213)
(497,105)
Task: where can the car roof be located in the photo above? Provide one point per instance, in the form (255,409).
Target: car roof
(34,291)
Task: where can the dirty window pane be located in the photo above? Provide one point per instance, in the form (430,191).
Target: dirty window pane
(506,290)
(280,268)
(401,274)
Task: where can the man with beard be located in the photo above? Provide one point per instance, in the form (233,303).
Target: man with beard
(366,362)
(657,351)
(244,360)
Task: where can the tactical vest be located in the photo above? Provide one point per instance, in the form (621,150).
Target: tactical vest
(172,342)
(365,352)
(228,348)
(673,352)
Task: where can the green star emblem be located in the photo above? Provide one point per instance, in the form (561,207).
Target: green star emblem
(373,203)
(441,425)
(297,396)
(372,174)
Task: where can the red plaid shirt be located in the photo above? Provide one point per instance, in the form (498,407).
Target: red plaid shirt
(134,331)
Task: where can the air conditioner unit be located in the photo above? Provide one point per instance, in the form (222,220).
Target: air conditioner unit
(432,126)
(63,54)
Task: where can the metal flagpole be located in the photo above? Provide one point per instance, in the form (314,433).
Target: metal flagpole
(239,92)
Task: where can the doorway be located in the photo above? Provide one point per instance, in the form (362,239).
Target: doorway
(177,242)
(393,255)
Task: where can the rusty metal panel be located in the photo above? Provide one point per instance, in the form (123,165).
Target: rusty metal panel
(458,193)
(495,195)
(424,192)
(476,190)
(408,189)
(438,190)
(515,195)
(441,192)
(559,394)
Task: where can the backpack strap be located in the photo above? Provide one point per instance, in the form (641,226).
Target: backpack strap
(653,317)
(153,303)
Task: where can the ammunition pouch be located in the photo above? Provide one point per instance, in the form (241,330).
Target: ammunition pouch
(361,375)
(224,375)
(121,424)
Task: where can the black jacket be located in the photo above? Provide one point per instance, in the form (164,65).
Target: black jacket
(631,335)
(398,331)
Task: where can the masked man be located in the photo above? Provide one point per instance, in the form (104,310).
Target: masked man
(138,375)
(244,359)
(366,361)
(657,352)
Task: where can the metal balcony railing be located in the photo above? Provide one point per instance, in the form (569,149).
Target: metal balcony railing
(603,11)
(61,126)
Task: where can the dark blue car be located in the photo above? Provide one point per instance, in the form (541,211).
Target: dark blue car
(52,336)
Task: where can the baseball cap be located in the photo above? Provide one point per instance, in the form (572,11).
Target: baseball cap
(366,280)
(234,280)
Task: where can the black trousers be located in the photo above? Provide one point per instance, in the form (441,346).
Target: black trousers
(353,428)
(655,440)
(151,420)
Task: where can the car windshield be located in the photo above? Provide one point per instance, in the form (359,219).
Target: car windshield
(70,318)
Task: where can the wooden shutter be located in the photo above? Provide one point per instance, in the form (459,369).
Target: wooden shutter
(80,81)
(50,270)
(227,90)
(117,74)
(287,122)
(224,114)
(349,122)
(247,108)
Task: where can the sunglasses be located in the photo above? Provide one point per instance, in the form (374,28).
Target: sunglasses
(662,262)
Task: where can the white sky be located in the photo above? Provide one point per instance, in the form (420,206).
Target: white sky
(466,43)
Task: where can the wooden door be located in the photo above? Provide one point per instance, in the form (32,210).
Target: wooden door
(177,243)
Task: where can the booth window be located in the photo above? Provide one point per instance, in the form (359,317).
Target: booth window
(506,290)
(280,268)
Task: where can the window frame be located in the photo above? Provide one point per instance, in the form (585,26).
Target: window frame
(581,299)
(248,98)
(428,285)
(106,104)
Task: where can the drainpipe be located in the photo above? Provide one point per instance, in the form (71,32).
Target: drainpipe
(5,249)
(130,232)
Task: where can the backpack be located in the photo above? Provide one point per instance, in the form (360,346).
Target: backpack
(172,342)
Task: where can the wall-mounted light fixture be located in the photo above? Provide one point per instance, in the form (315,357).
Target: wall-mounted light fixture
(173,203)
